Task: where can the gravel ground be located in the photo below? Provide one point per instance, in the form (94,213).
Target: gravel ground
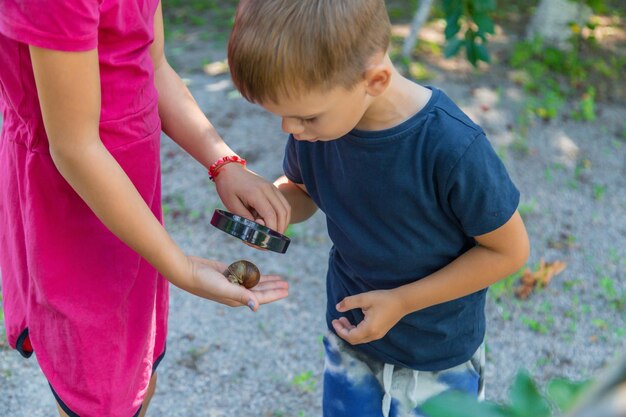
(231,362)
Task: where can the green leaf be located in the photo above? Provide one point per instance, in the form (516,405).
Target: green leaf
(289,231)
(458,404)
(484,23)
(470,51)
(563,392)
(484,6)
(526,400)
(452,47)
(482,52)
(536,45)
(522,53)
(588,106)
(453,7)
(596,5)
(452,26)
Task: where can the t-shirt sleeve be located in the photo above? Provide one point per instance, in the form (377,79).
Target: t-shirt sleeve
(59,24)
(291,166)
(480,191)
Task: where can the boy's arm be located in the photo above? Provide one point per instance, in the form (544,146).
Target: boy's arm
(498,254)
(302,206)
(184,122)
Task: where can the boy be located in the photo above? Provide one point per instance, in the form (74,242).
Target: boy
(420,210)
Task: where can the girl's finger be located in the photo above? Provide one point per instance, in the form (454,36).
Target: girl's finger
(238,207)
(271,278)
(281,208)
(271,295)
(266,211)
(259,288)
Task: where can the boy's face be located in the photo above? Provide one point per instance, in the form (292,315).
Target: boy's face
(320,116)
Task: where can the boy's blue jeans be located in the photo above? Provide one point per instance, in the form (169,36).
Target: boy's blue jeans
(355,385)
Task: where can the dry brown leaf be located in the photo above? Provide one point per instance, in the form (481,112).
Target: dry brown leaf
(527,283)
(541,276)
(549,271)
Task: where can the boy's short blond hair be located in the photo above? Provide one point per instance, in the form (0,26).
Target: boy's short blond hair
(279,48)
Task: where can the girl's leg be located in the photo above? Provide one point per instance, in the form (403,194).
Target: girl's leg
(146,401)
(149,394)
(61,413)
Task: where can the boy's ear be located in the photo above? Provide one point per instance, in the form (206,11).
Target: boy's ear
(377,78)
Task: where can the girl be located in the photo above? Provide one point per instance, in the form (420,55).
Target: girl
(85,91)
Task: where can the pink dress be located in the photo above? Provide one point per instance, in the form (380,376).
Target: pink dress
(94,312)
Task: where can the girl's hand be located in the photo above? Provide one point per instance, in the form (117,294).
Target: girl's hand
(381,312)
(248,195)
(209,282)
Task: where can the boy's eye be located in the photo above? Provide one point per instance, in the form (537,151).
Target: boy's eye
(310,120)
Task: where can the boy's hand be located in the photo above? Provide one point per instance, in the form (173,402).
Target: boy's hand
(246,194)
(381,312)
(208,282)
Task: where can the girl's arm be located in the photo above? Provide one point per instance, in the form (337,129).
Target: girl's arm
(302,206)
(68,85)
(184,122)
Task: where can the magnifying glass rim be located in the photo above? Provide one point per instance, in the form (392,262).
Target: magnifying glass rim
(249,231)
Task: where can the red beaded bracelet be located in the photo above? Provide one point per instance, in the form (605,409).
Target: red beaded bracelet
(214,169)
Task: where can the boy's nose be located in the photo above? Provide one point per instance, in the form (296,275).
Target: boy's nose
(292,125)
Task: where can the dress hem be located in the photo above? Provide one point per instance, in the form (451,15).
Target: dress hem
(70,413)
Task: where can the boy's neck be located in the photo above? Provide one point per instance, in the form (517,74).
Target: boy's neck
(401,100)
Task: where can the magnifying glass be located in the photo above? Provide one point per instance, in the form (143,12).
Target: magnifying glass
(250,232)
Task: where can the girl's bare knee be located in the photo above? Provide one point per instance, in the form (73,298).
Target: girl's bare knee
(61,412)
(149,394)
(151,387)
(146,401)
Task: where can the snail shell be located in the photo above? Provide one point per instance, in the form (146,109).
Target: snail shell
(243,273)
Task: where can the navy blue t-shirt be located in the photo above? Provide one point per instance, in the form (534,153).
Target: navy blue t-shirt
(400,204)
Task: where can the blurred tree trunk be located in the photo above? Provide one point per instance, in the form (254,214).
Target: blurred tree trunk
(552,21)
(421,14)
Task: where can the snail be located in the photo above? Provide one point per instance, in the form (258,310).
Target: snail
(243,273)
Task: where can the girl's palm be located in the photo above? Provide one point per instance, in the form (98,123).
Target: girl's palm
(212,284)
